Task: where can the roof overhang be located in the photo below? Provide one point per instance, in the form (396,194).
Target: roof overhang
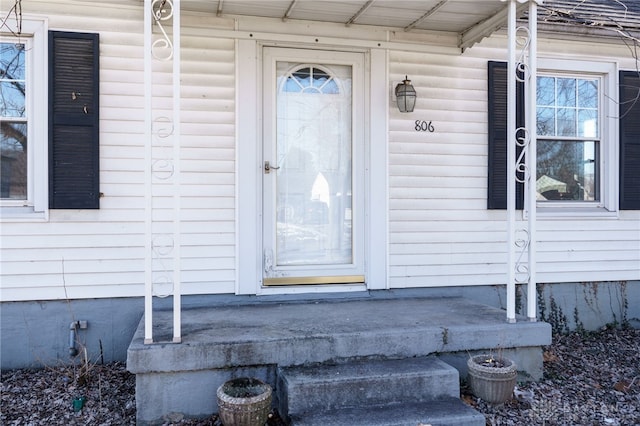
(470,20)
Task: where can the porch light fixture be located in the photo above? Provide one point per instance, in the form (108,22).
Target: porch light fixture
(405,95)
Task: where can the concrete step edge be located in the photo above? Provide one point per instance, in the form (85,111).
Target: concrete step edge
(322,373)
(360,383)
(441,412)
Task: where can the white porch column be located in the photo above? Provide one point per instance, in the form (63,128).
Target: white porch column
(177,207)
(148,202)
(162,149)
(521,236)
(530,108)
(511,166)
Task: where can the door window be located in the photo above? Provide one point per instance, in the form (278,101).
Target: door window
(311,169)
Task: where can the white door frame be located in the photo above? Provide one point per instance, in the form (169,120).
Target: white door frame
(249,169)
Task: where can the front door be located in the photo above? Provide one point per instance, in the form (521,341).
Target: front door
(313,167)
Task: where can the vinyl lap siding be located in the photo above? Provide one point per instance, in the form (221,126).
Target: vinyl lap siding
(441,233)
(100,253)
(440,230)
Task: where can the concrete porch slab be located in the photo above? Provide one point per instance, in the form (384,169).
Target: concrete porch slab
(222,342)
(298,333)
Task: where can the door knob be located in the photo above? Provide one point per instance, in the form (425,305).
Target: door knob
(268,167)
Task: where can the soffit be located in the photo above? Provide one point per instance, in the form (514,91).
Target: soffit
(451,16)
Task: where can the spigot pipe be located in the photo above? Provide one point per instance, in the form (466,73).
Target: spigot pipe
(72,338)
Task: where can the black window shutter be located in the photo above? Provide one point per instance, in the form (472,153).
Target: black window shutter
(629,140)
(73,121)
(497,108)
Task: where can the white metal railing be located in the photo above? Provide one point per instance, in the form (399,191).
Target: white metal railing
(162,164)
(521,237)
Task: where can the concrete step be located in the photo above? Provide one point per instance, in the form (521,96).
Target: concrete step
(441,412)
(364,383)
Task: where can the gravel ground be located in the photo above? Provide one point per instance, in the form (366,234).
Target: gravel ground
(590,379)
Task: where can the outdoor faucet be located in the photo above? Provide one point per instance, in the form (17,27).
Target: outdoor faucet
(72,339)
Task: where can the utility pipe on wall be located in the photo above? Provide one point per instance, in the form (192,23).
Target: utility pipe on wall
(73,328)
(72,339)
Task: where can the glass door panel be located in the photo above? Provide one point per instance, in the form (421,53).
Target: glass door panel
(309,171)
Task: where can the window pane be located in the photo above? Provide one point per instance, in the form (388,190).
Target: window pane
(567,170)
(12,80)
(311,80)
(546,91)
(319,77)
(13,154)
(546,122)
(588,123)
(12,99)
(588,93)
(566,122)
(12,61)
(314,154)
(566,95)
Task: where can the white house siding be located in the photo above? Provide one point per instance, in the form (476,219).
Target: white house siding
(100,253)
(441,233)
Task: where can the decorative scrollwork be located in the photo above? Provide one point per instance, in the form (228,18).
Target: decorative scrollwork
(162,285)
(522,72)
(523,37)
(522,241)
(159,10)
(521,268)
(522,140)
(162,127)
(162,48)
(523,42)
(162,244)
(163,169)
(523,137)
(522,172)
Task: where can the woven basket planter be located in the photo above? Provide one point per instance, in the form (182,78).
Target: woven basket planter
(492,383)
(244,402)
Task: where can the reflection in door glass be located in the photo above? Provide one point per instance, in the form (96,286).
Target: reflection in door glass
(314,152)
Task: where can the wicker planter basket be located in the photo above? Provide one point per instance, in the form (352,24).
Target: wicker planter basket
(244,402)
(492,383)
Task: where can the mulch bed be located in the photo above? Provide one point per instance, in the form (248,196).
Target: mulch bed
(590,378)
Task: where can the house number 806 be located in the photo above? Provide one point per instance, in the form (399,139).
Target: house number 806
(423,126)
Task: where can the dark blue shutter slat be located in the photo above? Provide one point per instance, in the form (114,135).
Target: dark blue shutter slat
(629,140)
(497,118)
(73,121)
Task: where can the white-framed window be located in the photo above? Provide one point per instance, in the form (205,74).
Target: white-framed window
(576,136)
(23,111)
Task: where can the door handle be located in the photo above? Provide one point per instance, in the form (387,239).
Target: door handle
(268,167)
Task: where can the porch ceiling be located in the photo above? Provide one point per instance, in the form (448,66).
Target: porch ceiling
(437,15)
(471,19)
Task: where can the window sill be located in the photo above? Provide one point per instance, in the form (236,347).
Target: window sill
(22,214)
(572,213)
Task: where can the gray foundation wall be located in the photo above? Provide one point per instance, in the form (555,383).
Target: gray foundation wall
(36,334)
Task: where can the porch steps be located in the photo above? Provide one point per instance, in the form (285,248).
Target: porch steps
(260,338)
(399,392)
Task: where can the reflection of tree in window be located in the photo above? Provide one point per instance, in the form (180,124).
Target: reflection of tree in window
(311,80)
(314,148)
(568,138)
(13,126)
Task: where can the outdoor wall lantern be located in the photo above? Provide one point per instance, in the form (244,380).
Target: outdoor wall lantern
(405,95)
